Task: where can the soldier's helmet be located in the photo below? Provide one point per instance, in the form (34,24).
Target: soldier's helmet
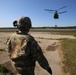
(22,22)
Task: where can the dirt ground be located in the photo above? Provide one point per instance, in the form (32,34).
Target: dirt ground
(50,46)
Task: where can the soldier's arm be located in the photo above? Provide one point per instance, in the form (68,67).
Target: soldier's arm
(40,57)
(43,61)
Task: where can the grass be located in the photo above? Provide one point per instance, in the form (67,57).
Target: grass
(68,47)
(67,33)
(3,69)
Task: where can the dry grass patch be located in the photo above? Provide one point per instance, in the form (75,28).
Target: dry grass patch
(69,51)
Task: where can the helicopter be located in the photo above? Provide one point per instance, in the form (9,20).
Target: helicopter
(56,13)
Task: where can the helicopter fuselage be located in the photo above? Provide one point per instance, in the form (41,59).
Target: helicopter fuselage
(56,16)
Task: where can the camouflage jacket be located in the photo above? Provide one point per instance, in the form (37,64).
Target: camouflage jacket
(18,45)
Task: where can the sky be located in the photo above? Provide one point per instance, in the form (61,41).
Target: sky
(11,10)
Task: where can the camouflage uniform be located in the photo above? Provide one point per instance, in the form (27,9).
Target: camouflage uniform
(25,45)
(24,49)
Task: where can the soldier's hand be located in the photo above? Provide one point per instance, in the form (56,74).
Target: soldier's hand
(50,70)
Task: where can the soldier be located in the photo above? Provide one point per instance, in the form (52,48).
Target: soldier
(24,49)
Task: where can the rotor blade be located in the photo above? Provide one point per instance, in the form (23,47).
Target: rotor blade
(48,10)
(62,8)
(62,12)
(51,12)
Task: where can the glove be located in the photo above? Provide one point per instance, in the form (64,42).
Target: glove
(50,71)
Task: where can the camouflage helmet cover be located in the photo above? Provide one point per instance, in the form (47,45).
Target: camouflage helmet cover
(23,21)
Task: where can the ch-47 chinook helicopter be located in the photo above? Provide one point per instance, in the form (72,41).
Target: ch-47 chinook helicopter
(56,13)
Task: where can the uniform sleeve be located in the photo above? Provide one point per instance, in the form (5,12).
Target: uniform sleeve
(8,42)
(8,45)
(38,54)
